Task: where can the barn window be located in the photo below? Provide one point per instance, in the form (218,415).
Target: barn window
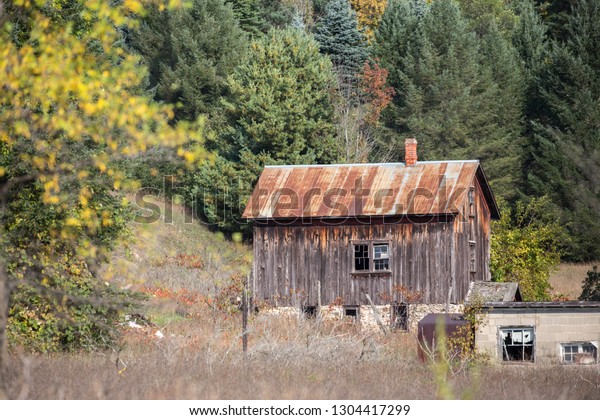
(361,257)
(518,344)
(371,256)
(352,312)
(309,311)
(400,316)
(381,257)
(579,353)
(472,256)
(472,202)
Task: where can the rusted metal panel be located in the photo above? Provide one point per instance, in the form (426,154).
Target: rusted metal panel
(429,328)
(321,191)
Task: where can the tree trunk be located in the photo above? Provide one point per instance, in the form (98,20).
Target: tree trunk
(4,307)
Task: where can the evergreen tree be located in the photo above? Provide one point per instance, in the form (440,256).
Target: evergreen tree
(247,12)
(447,94)
(502,150)
(564,159)
(152,40)
(190,52)
(556,16)
(339,37)
(396,35)
(281,112)
(530,40)
(483,13)
(591,285)
(282,104)
(256,17)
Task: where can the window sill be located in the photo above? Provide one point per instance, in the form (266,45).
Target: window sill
(517,362)
(369,273)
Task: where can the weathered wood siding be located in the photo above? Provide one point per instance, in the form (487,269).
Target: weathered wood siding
(472,238)
(434,258)
(291,260)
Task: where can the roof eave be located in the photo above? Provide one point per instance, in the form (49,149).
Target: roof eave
(487,193)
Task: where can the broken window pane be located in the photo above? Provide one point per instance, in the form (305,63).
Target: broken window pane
(361,257)
(400,317)
(517,344)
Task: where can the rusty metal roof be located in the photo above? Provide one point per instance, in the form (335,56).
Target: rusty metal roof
(374,189)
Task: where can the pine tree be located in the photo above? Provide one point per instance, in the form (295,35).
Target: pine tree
(247,13)
(530,40)
(281,112)
(564,159)
(339,37)
(396,35)
(256,17)
(190,53)
(529,36)
(282,103)
(503,148)
(448,92)
(483,13)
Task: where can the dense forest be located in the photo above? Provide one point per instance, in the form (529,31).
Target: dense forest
(515,84)
(102,98)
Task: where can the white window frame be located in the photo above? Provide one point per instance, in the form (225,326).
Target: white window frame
(505,342)
(569,357)
(371,244)
(382,256)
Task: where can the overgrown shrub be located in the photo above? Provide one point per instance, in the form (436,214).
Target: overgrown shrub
(526,246)
(66,308)
(57,303)
(591,285)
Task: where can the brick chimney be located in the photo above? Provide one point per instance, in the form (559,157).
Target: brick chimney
(410,152)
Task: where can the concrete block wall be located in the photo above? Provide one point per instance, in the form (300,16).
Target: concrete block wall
(551,328)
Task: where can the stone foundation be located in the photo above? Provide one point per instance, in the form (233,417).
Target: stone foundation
(367,318)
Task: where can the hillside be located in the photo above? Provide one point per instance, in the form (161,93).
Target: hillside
(182,265)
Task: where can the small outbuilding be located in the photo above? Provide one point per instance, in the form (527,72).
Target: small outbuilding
(358,234)
(543,332)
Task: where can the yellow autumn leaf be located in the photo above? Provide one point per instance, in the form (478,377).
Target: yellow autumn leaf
(71,221)
(51,199)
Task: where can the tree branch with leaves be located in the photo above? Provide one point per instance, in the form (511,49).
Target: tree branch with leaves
(70,110)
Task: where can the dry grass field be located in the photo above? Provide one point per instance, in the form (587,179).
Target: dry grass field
(568,277)
(287,359)
(192,277)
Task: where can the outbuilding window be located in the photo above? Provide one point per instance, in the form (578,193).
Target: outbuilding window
(371,256)
(518,344)
(579,353)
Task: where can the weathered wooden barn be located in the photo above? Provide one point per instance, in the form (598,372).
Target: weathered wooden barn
(393,231)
